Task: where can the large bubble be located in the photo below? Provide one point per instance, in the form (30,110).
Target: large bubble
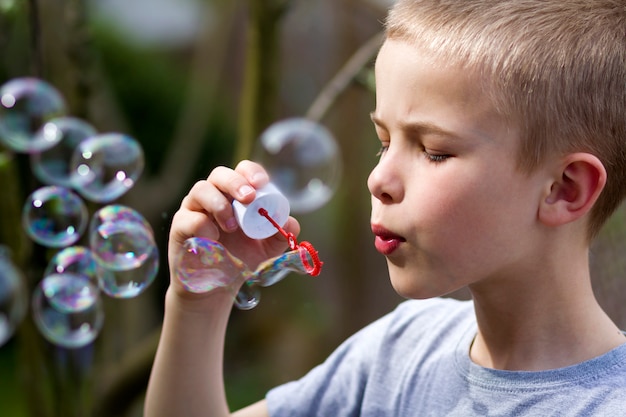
(205,264)
(106,166)
(123,245)
(13,296)
(26,104)
(52,166)
(54,216)
(303,161)
(67,310)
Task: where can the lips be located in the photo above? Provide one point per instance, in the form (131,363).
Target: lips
(386,242)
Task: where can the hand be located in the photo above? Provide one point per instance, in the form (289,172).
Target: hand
(207,212)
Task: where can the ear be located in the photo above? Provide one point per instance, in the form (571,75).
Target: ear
(580,180)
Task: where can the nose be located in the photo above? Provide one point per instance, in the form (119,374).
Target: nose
(385,180)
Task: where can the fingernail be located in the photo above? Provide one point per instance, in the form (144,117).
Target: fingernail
(245,190)
(259,177)
(231,223)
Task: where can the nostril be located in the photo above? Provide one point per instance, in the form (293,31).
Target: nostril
(385,198)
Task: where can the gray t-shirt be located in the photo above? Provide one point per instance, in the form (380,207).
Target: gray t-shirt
(415,362)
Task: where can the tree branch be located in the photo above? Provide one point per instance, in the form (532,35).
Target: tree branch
(344,78)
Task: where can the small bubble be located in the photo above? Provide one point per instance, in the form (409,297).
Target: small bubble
(52,166)
(123,246)
(106,166)
(13,296)
(130,281)
(67,310)
(54,216)
(248,297)
(77,260)
(26,104)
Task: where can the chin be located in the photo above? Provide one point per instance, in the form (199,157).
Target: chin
(412,288)
(417,286)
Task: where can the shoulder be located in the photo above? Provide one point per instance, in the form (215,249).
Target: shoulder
(360,371)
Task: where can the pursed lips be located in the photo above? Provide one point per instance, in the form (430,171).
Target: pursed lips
(386,241)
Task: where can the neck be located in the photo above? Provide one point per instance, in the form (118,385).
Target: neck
(542,320)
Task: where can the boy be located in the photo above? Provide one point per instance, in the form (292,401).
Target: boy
(503,135)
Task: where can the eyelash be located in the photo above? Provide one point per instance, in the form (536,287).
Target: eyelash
(437,159)
(382,150)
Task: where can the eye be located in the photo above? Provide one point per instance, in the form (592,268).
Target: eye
(436,158)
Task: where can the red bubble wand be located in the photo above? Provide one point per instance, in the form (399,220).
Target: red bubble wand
(313,268)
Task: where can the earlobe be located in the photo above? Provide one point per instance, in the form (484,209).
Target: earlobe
(572,195)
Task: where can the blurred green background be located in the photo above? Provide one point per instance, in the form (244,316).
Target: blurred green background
(195,82)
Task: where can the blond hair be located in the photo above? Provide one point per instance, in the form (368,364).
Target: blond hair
(556,67)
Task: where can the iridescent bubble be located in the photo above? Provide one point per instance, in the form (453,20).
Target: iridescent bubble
(129,282)
(67,310)
(76,260)
(205,264)
(303,161)
(119,213)
(52,166)
(13,296)
(25,105)
(68,292)
(104,167)
(54,216)
(123,245)
(248,297)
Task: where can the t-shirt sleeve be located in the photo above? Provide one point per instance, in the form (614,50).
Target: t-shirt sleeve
(336,387)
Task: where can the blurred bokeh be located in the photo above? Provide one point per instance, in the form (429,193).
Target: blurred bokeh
(195,82)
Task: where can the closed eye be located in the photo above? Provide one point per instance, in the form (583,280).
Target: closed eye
(436,158)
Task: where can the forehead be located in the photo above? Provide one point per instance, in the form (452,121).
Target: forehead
(407,63)
(412,85)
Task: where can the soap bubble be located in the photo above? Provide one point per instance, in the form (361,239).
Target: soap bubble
(54,216)
(119,213)
(77,260)
(248,297)
(25,105)
(67,310)
(13,297)
(120,237)
(129,282)
(105,166)
(303,161)
(205,264)
(52,166)
(123,245)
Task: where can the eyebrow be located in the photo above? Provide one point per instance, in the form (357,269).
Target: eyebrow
(417,127)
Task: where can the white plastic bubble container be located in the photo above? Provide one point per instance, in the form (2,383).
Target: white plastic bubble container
(255,225)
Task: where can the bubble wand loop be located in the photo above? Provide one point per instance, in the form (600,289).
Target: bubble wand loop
(313,270)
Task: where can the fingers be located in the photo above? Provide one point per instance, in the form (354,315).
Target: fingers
(213,197)
(193,223)
(253,172)
(241,182)
(205,198)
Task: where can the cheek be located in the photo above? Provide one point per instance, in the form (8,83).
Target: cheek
(464,214)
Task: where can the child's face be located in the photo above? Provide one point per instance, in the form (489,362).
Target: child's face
(449,207)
